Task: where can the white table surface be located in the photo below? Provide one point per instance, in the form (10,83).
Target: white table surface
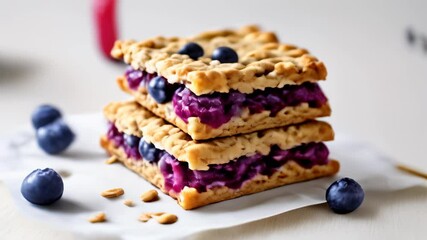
(376,85)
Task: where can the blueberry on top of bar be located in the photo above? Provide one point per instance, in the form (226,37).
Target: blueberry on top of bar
(193,50)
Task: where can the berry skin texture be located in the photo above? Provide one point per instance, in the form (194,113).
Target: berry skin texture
(193,50)
(44,115)
(42,187)
(148,151)
(160,90)
(225,55)
(344,196)
(131,141)
(55,137)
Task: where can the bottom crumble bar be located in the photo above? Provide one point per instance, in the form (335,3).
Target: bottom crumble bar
(190,198)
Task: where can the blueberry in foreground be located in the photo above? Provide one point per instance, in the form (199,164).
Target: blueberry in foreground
(42,187)
(344,196)
(160,90)
(148,151)
(44,115)
(55,137)
(193,50)
(225,55)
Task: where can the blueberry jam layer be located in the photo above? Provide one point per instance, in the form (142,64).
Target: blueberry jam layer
(233,174)
(118,138)
(218,108)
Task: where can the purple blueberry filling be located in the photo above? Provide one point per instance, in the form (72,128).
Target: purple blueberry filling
(118,139)
(233,174)
(218,108)
(212,109)
(137,78)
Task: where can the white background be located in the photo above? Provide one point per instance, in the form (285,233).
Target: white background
(376,81)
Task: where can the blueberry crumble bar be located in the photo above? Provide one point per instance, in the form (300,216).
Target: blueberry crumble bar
(197,173)
(223,83)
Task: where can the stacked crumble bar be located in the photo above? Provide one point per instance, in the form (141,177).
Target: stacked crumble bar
(224,129)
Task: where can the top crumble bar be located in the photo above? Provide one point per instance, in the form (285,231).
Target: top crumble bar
(263,61)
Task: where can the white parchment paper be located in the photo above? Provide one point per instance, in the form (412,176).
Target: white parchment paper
(84,161)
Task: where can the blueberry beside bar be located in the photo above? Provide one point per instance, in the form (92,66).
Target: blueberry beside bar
(223,83)
(197,173)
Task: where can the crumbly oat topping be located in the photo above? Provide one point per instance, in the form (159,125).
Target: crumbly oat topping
(263,61)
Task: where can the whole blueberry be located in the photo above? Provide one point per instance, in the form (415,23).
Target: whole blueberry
(42,187)
(160,89)
(54,137)
(344,196)
(193,50)
(131,140)
(44,115)
(225,55)
(148,151)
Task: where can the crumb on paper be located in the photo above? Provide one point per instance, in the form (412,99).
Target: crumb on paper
(166,218)
(144,217)
(99,217)
(150,196)
(113,193)
(129,203)
(161,217)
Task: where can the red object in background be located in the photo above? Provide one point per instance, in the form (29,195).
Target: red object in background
(106,26)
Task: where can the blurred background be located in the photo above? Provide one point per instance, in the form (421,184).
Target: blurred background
(375,52)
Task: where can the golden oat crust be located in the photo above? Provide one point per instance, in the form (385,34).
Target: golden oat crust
(131,118)
(263,61)
(190,198)
(245,123)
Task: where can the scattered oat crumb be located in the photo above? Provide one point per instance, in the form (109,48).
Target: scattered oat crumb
(111,160)
(156,213)
(161,217)
(144,217)
(128,203)
(166,218)
(150,196)
(113,193)
(100,217)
